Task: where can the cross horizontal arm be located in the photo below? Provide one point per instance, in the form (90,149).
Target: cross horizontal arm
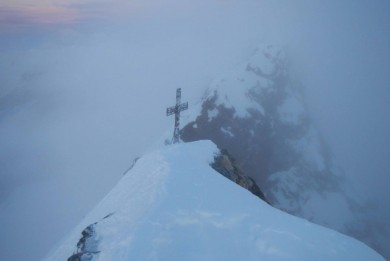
(171,110)
(177,109)
(183,106)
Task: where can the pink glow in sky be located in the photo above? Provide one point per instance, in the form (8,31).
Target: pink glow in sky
(21,14)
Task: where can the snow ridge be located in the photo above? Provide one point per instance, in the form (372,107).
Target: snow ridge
(173,206)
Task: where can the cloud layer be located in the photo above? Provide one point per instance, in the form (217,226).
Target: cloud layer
(79,101)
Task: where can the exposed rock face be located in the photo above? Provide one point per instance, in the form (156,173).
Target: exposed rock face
(258,114)
(225,164)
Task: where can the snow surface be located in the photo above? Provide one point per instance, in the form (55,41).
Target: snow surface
(234,86)
(235,91)
(173,206)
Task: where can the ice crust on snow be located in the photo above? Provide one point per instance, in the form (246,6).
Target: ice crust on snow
(173,206)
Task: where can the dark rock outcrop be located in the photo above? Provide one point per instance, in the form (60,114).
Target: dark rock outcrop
(87,245)
(226,165)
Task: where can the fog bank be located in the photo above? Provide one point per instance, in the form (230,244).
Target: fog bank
(78,102)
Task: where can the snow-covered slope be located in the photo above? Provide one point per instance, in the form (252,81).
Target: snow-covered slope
(173,206)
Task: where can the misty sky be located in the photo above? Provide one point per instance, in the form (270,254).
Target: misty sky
(84,89)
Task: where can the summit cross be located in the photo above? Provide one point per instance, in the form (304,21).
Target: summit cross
(176,110)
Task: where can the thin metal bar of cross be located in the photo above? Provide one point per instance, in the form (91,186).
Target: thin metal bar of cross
(176,110)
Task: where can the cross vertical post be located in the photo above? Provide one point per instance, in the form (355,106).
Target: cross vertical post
(176,110)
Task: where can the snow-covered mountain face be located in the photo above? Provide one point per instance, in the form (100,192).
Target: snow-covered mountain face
(167,207)
(258,114)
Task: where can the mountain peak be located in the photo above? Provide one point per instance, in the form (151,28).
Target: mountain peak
(259,115)
(238,88)
(172,205)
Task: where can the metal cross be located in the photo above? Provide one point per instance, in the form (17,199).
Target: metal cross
(176,110)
